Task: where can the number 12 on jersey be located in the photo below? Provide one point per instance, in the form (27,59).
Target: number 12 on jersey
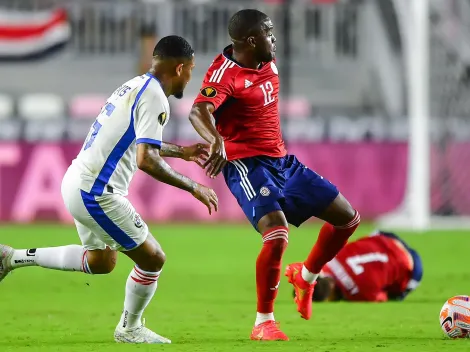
(268,90)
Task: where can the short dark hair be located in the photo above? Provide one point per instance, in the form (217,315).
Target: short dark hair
(322,290)
(245,22)
(173,46)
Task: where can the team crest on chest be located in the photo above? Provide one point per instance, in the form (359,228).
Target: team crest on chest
(162,118)
(274,68)
(209,92)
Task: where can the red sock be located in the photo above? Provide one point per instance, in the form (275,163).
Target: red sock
(268,267)
(330,241)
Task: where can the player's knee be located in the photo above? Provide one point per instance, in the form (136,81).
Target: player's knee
(272,220)
(340,212)
(156,260)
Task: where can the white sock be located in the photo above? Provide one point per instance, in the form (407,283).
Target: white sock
(65,258)
(140,288)
(263,318)
(308,276)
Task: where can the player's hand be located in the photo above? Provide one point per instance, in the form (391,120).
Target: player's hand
(206,196)
(217,158)
(197,153)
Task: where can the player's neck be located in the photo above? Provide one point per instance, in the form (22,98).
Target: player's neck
(164,83)
(245,60)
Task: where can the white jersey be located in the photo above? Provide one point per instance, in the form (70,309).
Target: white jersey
(135,113)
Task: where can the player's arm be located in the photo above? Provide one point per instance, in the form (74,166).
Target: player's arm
(149,129)
(210,97)
(197,152)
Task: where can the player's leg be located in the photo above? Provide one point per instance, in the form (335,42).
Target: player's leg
(258,197)
(117,224)
(308,194)
(92,257)
(274,230)
(341,220)
(141,286)
(142,281)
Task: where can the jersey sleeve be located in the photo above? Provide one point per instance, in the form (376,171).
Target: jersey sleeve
(150,116)
(218,84)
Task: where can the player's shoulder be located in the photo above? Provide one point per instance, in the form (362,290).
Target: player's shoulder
(149,88)
(223,68)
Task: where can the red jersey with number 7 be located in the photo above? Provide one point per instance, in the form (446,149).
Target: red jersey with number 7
(246,107)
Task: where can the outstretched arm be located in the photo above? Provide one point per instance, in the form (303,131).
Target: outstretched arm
(204,123)
(150,161)
(196,152)
(171,150)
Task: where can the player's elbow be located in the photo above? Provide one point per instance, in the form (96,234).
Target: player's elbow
(147,157)
(199,111)
(195,114)
(141,163)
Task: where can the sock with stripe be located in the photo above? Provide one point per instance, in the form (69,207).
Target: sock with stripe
(140,288)
(65,258)
(330,241)
(268,271)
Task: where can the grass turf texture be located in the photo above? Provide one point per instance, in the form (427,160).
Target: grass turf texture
(206,299)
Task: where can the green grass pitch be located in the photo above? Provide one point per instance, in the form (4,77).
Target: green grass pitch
(206,297)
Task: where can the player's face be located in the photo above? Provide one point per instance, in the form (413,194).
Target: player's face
(265,49)
(185,73)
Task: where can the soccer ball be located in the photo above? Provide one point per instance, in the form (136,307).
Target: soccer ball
(455,317)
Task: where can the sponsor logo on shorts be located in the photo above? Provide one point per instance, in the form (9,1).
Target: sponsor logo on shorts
(138,221)
(264,191)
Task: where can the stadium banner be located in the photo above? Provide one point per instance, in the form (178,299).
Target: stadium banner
(28,35)
(371,175)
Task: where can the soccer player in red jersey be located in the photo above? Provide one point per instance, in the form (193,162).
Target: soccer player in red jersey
(377,268)
(237,112)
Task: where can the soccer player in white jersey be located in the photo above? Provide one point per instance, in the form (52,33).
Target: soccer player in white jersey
(126,135)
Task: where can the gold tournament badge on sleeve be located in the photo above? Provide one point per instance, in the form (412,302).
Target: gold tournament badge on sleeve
(208,92)
(162,118)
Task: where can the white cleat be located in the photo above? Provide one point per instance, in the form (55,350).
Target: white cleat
(6,252)
(138,335)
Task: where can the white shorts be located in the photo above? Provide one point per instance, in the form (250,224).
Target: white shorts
(107,220)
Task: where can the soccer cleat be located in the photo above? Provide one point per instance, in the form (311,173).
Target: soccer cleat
(268,331)
(138,335)
(303,290)
(6,252)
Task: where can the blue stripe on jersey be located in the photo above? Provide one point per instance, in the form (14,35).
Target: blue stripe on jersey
(149,141)
(98,214)
(148,74)
(118,151)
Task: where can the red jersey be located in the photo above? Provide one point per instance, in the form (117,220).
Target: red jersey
(246,107)
(371,268)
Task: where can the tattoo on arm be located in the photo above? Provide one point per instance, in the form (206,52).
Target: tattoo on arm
(171,150)
(153,164)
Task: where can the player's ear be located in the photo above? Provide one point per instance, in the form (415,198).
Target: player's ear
(179,69)
(251,41)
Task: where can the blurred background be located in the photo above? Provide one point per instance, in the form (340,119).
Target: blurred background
(347,70)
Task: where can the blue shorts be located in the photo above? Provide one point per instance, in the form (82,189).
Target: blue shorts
(264,184)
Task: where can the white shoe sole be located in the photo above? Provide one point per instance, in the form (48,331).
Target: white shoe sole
(128,338)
